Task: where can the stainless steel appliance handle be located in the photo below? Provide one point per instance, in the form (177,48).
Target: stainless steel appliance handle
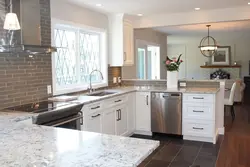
(147,100)
(198,128)
(64,122)
(96,116)
(197,111)
(81,120)
(95,108)
(200,98)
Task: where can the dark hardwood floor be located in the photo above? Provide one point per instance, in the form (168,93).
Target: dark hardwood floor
(235,149)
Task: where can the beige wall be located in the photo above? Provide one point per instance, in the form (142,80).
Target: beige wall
(152,37)
(240,52)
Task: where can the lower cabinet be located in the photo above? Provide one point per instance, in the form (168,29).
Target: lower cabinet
(122,120)
(143,113)
(109,122)
(93,122)
(114,116)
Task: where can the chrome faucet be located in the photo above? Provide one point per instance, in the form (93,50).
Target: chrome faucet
(90,81)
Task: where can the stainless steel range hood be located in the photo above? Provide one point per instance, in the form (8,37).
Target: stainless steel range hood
(29,38)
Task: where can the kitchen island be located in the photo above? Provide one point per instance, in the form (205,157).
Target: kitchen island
(28,145)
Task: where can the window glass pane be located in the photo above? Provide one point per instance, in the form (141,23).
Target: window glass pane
(89,57)
(65,57)
(141,63)
(149,68)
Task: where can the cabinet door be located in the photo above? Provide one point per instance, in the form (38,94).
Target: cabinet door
(93,122)
(109,121)
(121,121)
(131,113)
(143,109)
(128,42)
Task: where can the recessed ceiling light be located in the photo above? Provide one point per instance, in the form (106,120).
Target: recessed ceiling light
(197,8)
(98,5)
(248,3)
(139,14)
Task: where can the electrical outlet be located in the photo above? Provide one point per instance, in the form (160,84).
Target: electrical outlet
(49,89)
(114,80)
(119,79)
(183,84)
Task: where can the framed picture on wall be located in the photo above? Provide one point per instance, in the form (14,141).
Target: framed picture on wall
(222,56)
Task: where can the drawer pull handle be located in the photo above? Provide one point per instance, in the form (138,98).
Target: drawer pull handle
(197,111)
(118,101)
(95,108)
(200,98)
(198,128)
(96,116)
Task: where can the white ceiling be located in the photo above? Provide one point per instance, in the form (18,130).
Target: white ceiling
(148,7)
(199,29)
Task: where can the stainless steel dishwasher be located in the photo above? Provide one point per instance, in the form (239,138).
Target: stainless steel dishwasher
(166,113)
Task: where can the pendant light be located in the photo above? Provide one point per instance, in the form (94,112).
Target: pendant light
(11,21)
(208,45)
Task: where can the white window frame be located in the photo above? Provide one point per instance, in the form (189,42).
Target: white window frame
(56,23)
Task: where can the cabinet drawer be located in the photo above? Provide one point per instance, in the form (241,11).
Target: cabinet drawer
(198,128)
(204,111)
(203,98)
(116,101)
(92,108)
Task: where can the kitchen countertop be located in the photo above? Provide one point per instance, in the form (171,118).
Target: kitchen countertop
(84,99)
(25,145)
(29,145)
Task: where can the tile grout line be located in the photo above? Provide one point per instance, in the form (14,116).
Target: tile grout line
(197,154)
(157,152)
(176,155)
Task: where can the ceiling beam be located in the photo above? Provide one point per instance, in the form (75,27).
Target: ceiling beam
(194,17)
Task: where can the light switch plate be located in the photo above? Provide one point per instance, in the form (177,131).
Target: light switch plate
(49,89)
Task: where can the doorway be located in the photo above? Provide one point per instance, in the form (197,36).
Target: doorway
(148,60)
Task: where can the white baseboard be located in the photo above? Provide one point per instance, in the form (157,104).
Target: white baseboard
(221,131)
(203,139)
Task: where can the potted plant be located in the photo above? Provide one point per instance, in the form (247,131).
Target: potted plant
(172,66)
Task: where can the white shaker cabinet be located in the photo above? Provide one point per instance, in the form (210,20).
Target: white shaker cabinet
(93,122)
(131,112)
(199,121)
(143,113)
(122,120)
(109,122)
(121,44)
(92,118)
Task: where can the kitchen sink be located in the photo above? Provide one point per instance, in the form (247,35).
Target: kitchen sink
(102,93)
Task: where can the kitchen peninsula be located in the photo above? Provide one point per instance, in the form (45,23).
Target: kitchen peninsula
(27,145)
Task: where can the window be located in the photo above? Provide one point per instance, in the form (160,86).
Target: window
(148,61)
(80,50)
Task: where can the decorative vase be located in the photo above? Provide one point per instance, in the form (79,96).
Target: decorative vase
(172,79)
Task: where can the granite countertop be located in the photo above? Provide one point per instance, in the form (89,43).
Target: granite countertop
(15,116)
(84,99)
(32,145)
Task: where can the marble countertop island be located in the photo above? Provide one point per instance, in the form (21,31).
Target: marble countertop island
(24,145)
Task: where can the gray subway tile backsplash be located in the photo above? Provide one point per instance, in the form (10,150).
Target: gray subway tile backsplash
(24,79)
